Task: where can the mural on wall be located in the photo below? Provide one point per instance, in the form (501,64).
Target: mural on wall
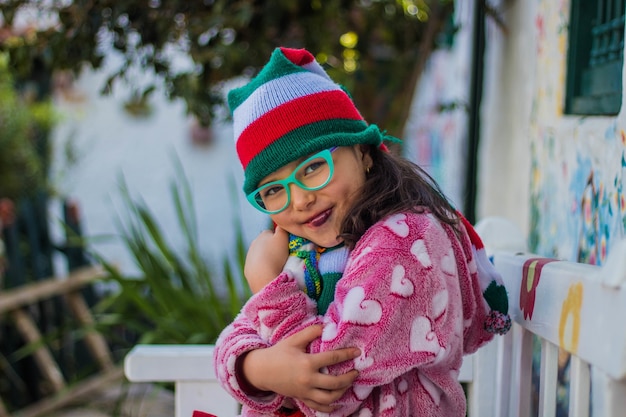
(577,202)
(578,207)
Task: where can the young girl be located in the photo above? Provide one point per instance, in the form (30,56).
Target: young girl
(396,287)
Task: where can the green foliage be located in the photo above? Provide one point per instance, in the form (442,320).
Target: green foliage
(371,46)
(177,298)
(21,123)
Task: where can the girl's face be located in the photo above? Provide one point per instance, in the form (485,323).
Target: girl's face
(318,215)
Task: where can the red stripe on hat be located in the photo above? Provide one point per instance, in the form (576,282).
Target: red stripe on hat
(318,107)
(298,56)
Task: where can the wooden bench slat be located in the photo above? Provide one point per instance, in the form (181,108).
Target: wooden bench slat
(48,288)
(16,301)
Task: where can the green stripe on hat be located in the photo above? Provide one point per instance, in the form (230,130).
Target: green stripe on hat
(277,66)
(306,140)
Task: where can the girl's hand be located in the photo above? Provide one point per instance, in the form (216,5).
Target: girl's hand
(266,258)
(288,370)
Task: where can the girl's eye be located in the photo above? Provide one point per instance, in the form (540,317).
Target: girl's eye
(272,191)
(313,166)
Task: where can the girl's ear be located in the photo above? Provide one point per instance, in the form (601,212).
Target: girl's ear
(366,157)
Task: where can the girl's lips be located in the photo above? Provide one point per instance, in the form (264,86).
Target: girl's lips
(320,219)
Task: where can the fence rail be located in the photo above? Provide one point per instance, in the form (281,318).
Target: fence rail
(16,303)
(42,359)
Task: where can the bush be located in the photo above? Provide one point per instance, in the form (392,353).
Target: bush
(177,298)
(22,123)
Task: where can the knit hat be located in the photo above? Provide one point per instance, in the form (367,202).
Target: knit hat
(291,109)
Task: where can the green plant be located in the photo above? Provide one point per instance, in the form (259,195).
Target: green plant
(178,297)
(22,123)
(372,47)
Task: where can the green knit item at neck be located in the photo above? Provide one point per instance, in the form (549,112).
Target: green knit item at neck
(323,267)
(329,282)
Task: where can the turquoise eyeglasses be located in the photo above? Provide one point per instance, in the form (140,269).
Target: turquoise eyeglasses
(313,173)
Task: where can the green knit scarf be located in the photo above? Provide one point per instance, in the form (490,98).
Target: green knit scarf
(317,269)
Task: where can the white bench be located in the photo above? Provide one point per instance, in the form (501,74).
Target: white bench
(579,307)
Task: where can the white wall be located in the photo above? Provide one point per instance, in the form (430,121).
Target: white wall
(504,155)
(110,144)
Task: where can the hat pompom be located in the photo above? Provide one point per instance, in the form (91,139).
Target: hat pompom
(497,323)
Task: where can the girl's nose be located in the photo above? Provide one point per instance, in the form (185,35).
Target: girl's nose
(301,199)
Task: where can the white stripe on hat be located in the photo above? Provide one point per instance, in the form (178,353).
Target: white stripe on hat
(316,68)
(276,92)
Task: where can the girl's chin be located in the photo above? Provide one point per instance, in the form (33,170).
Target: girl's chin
(327,243)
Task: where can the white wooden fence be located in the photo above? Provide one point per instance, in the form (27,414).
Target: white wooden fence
(577,307)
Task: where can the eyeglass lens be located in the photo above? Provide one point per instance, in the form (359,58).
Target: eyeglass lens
(312,174)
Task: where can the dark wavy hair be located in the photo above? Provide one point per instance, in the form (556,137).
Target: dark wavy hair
(394,185)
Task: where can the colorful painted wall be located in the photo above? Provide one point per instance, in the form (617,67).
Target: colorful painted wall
(577,205)
(559,177)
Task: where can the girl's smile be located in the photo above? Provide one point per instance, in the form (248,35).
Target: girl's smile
(319,220)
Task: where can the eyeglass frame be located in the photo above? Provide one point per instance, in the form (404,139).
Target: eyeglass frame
(326,154)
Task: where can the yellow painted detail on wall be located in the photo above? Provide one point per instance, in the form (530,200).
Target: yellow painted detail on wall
(569,325)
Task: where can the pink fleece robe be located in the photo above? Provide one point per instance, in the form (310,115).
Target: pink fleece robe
(409,299)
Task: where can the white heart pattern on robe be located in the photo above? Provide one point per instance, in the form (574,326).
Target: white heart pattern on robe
(355,261)
(363,362)
(358,310)
(361,391)
(440,303)
(329,332)
(418,249)
(448,264)
(366,412)
(397,224)
(433,390)
(388,402)
(400,285)
(403,386)
(423,338)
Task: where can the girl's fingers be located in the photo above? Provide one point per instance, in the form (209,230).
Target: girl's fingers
(318,407)
(334,357)
(333,383)
(321,400)
(305,336)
